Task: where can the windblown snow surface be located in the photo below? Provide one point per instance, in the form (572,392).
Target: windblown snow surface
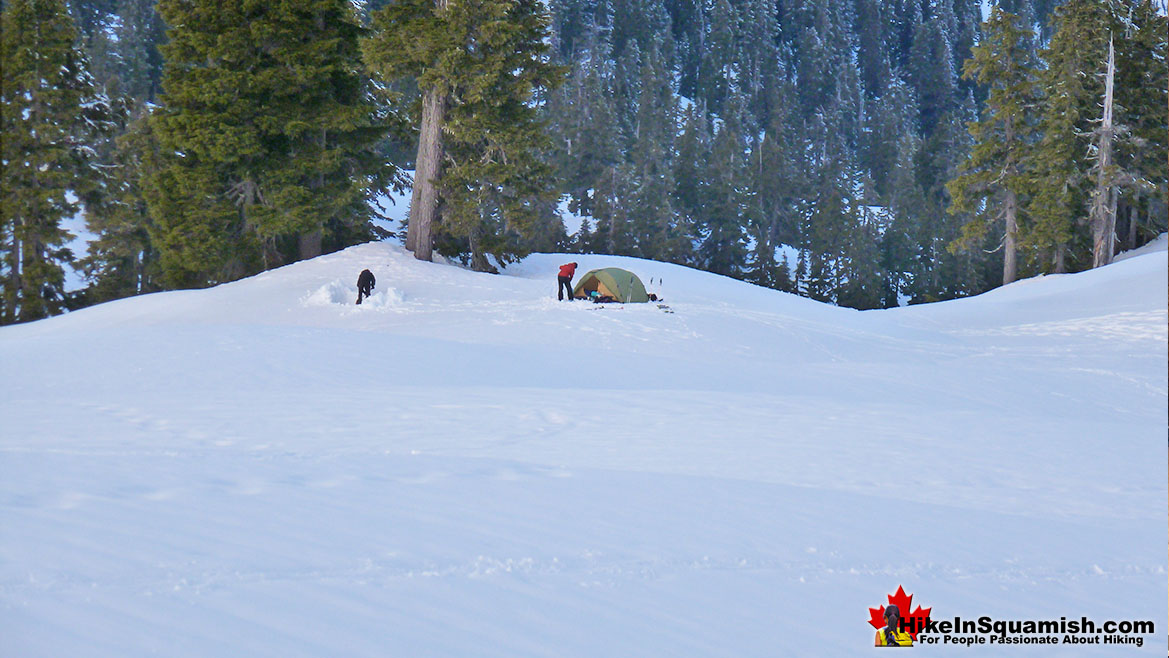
(463,466)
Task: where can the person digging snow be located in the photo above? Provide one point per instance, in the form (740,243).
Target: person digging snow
(564,281)
(365,284)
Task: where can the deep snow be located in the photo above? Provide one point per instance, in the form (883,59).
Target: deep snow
(464,466)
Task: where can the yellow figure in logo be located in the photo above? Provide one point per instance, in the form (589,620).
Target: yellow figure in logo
(891,636)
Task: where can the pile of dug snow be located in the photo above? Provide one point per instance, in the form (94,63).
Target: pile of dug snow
(340,293)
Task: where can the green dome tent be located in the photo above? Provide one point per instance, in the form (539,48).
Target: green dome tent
(621,285)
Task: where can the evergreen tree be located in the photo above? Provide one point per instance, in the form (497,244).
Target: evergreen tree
(688,27)
(1073,91)
(122,260)
(51,113)
(940,274)
(722,247)
(818,63)
(571,21)
(583,153)
(833,212)
(778,182)
(717,66)
(614,233)
(759,58)
(651,211)
(626,94)
(1141,106)
(481,65)
(902,259)
(873,52)
(690,177)
(91,16)
(931,72)
(268,133)
(904,18)
(139,31)
(994,180)
(643,22)
(862,278)
(891,116)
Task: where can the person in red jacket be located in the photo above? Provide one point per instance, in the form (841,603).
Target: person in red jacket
(564,281)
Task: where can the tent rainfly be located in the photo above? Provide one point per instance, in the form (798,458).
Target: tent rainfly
(621,285)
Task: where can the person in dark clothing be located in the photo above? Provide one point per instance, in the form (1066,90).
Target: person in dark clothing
(365,284)
(564,281)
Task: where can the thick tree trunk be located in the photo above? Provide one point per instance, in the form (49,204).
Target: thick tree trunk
(479,262)
(1010,240)
(424,200)
(1011,212)
(309,244)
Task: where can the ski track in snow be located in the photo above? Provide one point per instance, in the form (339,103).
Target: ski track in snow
(464,466)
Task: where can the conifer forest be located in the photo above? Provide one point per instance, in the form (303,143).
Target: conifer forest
(864,153)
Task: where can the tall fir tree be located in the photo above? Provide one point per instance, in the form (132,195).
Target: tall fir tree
(901,252)
(1142,107)
(140,31)
(932,74)
(51,112)
(581,152)
(718,66)
(722,245)
(267,132)
(778,181)
(122,260)
(651,210)
(873,51)
(1072,91)
(484,64)
(994,180)
(690,175)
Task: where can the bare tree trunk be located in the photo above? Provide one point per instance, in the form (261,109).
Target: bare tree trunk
(1011,214)
(1010,255)
(1103,215)
(427,170)
(424,200)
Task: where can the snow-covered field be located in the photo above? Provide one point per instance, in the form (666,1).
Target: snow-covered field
(463,466)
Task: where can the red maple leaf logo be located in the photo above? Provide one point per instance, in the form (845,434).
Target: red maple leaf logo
(914,621)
